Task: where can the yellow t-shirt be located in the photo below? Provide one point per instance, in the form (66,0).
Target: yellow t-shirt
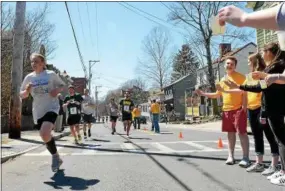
(136,112)
(155,108)
(232,101)
(253,99)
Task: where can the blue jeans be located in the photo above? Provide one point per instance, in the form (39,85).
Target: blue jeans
(155,120)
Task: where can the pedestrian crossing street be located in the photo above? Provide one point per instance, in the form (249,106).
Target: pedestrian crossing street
(88,148)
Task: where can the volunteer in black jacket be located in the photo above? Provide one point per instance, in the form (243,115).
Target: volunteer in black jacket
(273,101)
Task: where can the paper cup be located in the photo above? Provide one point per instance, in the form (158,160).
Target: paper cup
(217,29)
(263,84)
(281,39)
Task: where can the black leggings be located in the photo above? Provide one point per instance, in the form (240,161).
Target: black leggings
(257,131)
(277,125)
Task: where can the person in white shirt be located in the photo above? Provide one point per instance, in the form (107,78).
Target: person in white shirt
(88,105)
(44,86)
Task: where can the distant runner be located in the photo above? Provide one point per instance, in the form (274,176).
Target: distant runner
(88,105)
(113,111)
(126,106)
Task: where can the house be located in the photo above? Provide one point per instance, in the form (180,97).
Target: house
(175,94)
(241,54)
(79,84)
(263,36)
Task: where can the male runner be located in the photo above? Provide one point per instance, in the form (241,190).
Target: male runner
(73,104)
(126,106)
(88,105)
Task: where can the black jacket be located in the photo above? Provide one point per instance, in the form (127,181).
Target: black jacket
(273,97)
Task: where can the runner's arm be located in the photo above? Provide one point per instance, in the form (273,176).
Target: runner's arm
(211,95)
(24,93)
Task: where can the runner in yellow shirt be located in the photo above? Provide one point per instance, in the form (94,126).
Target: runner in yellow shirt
(155,110)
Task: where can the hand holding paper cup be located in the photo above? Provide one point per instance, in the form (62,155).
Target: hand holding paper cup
(217,29)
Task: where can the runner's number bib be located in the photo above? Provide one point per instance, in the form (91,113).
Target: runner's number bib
(126,108)
(73,111)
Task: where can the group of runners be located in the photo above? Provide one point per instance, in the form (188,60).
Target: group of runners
(261,95)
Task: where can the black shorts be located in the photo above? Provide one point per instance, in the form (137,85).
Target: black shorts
(87,118)
(127,117)
(73,119)
(48,117)
(113,118)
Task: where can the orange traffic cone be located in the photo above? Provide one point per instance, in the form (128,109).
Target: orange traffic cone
(220,144)
(180,135)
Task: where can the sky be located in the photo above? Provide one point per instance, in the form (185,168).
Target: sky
(119,43)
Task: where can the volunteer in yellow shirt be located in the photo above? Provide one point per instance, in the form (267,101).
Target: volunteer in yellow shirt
(234,117)
(255,113)
(155,110)
(137,116)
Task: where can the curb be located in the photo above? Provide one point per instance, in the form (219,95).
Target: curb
(12,156)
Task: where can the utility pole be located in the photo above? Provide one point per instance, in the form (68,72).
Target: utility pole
(90,75)
(17,72)
(96,97)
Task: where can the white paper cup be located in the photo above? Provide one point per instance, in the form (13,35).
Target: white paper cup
(263,84)
(217,29)
(281,39)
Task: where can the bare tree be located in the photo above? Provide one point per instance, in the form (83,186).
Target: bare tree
(157,63)
(195,18)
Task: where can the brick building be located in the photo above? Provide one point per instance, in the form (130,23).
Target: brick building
(79,84)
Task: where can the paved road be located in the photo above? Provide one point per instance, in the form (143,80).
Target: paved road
(146,161)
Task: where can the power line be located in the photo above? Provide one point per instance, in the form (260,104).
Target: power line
(77,45)
(97,30)
(150,18)
(89,25)
(81,22)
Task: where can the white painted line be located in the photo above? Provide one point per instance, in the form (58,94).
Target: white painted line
(129,147)
(202,147)
(162,148)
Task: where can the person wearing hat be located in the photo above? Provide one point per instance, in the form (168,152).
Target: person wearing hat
(73,103)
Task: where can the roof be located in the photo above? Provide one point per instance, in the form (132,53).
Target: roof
(175,82)
(232,53)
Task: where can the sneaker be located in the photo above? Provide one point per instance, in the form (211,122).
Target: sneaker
(279,181)
(85,135)
(269,171)
(89,132)
(244,163)
(76,141)
(112,132)
(230,161)
(256,167)
(56,163)
(275,175)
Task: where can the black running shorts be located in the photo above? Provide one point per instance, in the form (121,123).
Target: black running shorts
(48,117)
(87,118)
(127,117)
(113,118)
(73,119)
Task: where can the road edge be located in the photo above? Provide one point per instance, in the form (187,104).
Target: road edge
(12,156)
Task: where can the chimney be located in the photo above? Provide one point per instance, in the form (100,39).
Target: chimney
(224,48)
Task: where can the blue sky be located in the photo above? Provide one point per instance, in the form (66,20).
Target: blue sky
(120,33)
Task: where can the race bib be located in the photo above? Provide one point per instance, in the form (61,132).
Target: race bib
(73,111)
(126,108)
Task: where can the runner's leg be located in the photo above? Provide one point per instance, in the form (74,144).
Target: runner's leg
(45,133)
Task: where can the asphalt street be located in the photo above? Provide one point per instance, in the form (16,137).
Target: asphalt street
(145,161)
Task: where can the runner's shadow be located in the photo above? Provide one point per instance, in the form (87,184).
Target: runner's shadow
(140,138)
(75,183)
(88,145)
(101,140)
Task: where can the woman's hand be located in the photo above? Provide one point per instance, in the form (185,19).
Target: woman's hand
(231,84)
(271,78)
(54,92)
(233,15)
(257,75)
(29,87)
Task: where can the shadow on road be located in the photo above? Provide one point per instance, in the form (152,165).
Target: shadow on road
(206,174)
(101,140)
(140,138)
(75,183)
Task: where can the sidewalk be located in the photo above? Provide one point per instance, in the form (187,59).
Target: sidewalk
(209,126)
(30,140)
